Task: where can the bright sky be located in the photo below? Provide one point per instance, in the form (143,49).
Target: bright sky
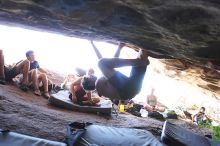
(53,51)
(63,54)
(56,52)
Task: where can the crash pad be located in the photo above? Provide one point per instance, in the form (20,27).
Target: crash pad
(61,99)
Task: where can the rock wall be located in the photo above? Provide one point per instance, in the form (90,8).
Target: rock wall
(187,30)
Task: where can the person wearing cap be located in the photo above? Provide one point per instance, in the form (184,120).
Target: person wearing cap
(81,89)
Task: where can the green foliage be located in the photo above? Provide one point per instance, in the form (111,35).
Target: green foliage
(205,124)
(216,133)
(171,112)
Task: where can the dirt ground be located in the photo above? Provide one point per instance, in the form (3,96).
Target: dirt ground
(26,113)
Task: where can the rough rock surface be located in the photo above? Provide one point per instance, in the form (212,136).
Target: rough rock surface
(206,78)
(32,115)
(186,30)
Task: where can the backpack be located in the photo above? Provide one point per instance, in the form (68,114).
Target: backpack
(172,115)
(74,132)
(135,109)
(51,86)
(156,115)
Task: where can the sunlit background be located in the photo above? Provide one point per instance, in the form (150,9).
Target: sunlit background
(56,52)
(63,54)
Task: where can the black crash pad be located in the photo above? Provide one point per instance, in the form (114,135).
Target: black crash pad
(16,139)
(174,135)
(98,135)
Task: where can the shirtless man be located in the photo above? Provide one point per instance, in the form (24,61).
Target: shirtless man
(151,104)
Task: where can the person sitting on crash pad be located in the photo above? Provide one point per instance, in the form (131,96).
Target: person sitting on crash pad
(152,104)
(81,89)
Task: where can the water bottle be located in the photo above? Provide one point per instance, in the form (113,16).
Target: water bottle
(143,112)
(121,108)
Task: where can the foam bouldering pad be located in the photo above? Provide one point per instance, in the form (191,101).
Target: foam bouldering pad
(16,139)
(100,135)
(174,135)
(61,99)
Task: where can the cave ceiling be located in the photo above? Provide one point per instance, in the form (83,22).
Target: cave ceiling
(184,30)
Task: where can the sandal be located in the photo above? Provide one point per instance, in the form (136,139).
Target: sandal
(37,92)
(46,95)
(2,81)
(24,87)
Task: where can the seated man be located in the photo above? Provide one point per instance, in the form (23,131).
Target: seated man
(36,78)
(7,73)
(37,74)
(116,85)
(151,104)
(81,89)
(201,117)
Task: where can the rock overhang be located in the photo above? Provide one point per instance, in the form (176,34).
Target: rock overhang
(188,31)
